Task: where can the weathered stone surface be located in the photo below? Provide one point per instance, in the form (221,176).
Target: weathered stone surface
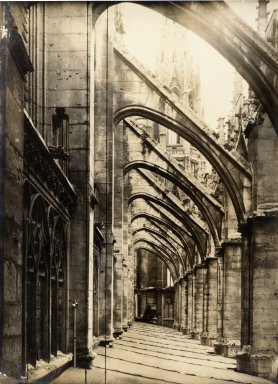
(149,353)
(77,68)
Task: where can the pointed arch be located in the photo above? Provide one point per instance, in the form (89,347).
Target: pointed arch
(215,22)
(191,190)
(171,227)
(194,136)
(181,216)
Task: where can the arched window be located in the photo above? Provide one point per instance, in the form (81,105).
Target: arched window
(37,265)
(45,250)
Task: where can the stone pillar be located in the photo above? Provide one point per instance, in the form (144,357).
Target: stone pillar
(106,294)
(264,321)
(176,306)
(219,253)
(130,274)
(183,305)
(185,330)
(246,283)
(162,306)
(126,240)
(190,303)
(103,167)
(118,295)
(203,336)
(261,358)
(231,297)
(125,297)
(199,301)
(180,304)
(159,303)
(142,302)
(211,302)
(136,304)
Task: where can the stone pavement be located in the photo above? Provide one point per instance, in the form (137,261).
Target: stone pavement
(150,354)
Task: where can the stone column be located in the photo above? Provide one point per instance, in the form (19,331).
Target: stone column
(162,306)
(103,167)
(211,330)
(106,294)
(130,271)
(176,306)
(118,295)
(246,283)
(125,297)
(264,320)
(183,305)
(159,303)
(261,358)
(118,229)
(190,303)
(185,330)
(126,240)
(199,301)
(136,304)
(203,336)
(231,297)
(219,253)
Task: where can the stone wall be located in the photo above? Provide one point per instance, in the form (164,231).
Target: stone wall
(12,71)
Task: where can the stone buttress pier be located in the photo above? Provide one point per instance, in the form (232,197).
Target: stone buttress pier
(199,301)
(209,334)
(260,356)
(118,295)
(229,302)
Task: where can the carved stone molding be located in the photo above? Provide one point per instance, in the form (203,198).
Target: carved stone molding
(39,162)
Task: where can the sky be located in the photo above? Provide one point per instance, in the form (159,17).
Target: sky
(143,32)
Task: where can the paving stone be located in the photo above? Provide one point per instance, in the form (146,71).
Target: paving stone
(150,354)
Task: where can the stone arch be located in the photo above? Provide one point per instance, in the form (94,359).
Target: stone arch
(215,22)
(169,226)
(158,234)
(160,247)
(192,191)
(179,215)
(149,248)
(161,253)
(203,143)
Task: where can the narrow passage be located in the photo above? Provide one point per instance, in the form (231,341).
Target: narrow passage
(150,354)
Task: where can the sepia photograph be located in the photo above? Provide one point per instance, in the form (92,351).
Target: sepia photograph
(139,192)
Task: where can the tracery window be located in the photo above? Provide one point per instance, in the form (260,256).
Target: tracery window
(37,283)
(45,244)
